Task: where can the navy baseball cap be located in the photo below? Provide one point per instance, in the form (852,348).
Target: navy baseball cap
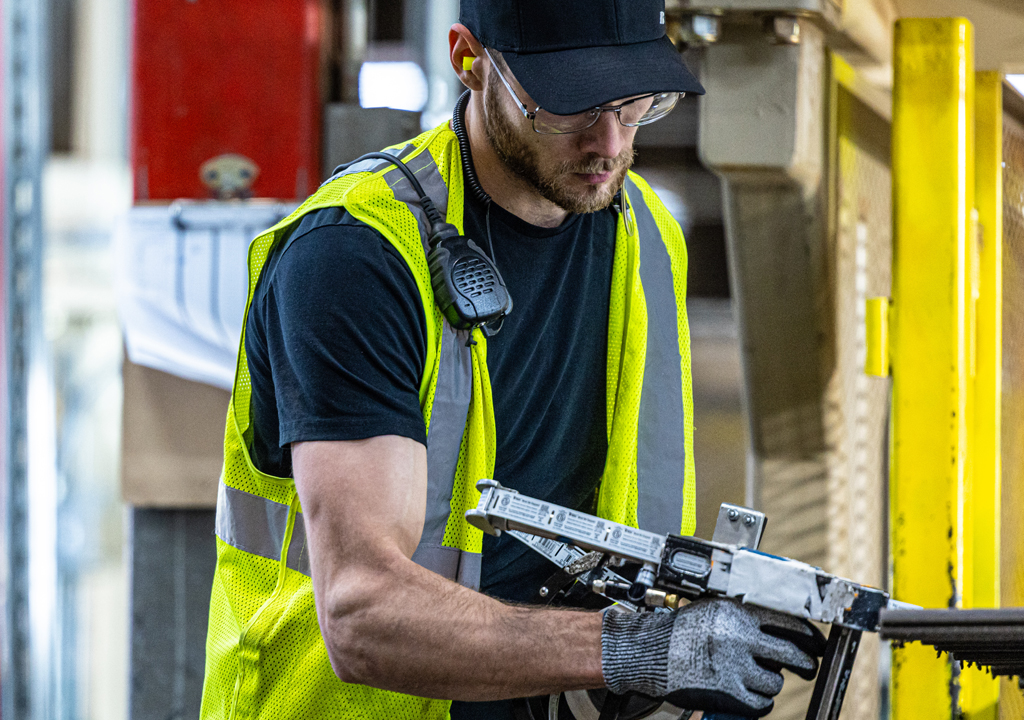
(573,55)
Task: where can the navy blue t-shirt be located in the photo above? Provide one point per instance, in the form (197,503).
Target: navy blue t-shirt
(336,343)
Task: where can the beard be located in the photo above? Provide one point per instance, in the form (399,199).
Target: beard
(553,182)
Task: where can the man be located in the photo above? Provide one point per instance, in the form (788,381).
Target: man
(360,420)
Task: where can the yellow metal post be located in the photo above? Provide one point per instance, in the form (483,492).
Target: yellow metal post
(985,453)
(988,380)
(981,588)
(933,195)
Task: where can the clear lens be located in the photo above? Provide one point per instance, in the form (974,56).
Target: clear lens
(548,123)
(641,111)
(660,106)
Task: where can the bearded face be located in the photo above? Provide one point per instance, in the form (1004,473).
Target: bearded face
(576,181)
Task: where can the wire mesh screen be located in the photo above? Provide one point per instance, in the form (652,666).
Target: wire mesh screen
(834,515)
(1012,561)
(857,403)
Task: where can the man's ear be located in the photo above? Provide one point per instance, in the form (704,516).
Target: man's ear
(467,57)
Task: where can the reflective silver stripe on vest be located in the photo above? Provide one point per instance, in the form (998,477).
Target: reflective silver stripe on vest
(661,441)
(452,396)
(447,425)
(257,525)
(372,164)
(425,170)
(452,563)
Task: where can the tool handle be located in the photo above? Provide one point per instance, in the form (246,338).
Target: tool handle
(834,673)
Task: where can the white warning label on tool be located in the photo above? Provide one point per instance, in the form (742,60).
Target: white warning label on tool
(586,531)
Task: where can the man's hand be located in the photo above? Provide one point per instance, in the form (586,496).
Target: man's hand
(715,655)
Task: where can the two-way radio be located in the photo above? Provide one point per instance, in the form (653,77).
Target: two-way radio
(468,288)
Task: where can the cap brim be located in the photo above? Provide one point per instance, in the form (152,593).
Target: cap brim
(571,81)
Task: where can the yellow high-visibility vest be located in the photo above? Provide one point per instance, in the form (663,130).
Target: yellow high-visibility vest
(265,655)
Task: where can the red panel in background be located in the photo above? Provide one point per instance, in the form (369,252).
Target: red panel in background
(219,77)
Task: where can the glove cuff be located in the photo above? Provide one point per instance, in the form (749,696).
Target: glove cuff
(634,651)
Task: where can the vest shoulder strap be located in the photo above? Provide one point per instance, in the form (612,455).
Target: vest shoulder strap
(666,475)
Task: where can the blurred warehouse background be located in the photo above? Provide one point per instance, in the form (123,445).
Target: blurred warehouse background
(146,141)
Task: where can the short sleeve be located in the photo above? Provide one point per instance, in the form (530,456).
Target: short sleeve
(338,341)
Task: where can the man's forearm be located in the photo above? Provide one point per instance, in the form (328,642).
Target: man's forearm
(409,630)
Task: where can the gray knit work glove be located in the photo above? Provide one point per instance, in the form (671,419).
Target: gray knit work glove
(714,654)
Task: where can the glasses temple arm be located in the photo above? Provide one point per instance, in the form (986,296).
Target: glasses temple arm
(522,105)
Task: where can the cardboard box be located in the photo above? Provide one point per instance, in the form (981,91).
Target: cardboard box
(173,440)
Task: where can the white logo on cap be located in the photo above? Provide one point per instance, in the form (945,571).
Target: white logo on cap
(662,20)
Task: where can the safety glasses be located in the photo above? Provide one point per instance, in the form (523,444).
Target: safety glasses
(642,110)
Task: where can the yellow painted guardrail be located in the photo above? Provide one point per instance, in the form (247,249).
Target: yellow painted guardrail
(944,332)
(980,692)
(933,195)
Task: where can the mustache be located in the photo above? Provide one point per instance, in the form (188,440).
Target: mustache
(599,165)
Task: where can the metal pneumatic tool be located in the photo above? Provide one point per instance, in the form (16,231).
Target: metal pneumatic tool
(597,556)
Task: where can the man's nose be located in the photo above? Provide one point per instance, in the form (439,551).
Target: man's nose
(607,137)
